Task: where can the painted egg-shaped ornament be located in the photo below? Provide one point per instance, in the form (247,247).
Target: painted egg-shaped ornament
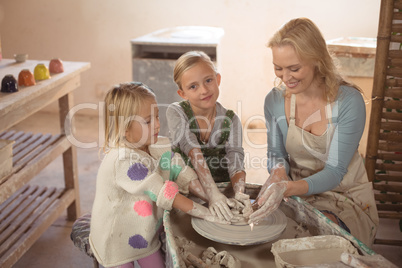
(41,72)
(26,78)
(56,66)
(9,84)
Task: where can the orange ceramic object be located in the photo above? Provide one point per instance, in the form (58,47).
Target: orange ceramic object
(26,78)
(56,66)
(41,72)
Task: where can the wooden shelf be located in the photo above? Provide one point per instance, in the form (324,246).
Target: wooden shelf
(27,211)
(31,153)
(25,217)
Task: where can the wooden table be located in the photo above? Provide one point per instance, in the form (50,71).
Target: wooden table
(27,211)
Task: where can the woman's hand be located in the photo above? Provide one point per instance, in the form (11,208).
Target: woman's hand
(271,194)
(269,200)
(278,173)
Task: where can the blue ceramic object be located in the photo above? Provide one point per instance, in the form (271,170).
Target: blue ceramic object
(9,84)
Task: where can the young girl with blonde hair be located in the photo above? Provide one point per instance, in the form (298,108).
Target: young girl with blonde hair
(208,136)
(138,178)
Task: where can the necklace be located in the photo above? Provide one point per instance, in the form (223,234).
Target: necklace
(210,120)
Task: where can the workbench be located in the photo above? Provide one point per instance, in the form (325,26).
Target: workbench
(26,211)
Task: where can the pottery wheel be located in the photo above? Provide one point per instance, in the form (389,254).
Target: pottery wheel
(267,230)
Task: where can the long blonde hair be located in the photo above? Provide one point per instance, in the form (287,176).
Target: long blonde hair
(187,61)
(305,37)
(122,102)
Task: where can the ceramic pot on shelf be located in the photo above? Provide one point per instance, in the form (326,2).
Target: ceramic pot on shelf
(19,58)
(41,72)
(56,66)
(26,78)
(9,84)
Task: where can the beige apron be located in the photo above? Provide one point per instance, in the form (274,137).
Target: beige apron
(353,199)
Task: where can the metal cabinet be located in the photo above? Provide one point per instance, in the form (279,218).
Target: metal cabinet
(154,56)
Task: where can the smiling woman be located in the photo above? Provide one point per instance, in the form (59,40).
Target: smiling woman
(294,72)
(313,153)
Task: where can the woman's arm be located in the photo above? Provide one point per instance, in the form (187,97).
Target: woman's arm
(275,120)
(277,186)
(278,174)
(275,189)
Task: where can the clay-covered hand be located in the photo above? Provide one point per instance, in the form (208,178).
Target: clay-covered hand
(243,204)
(278,174)
(269,200)
(202,212)
(219,206)
(242,208)
(244,199)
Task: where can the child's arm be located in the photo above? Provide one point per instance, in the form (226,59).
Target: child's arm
(218,202)
(235,156)
(196,189)
(239,182)
(194,209)
(182,137)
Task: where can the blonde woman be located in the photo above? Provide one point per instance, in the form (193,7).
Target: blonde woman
(315,120)
(135,183)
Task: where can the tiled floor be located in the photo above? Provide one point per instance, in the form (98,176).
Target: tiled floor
(55,249)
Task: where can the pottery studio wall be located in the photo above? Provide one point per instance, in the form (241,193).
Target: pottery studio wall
(99,31)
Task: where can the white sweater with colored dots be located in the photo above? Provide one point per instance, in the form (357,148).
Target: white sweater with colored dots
(131,193)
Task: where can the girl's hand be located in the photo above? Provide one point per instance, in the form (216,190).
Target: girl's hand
(202,212)
(218,203)
(219,206)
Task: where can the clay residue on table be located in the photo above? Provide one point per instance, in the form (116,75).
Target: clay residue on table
(210,258)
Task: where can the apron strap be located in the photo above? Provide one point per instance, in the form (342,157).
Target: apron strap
(292,109)
(328,112)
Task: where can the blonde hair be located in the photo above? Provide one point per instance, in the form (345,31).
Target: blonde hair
(122,102)
(187,61)
(305,37)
